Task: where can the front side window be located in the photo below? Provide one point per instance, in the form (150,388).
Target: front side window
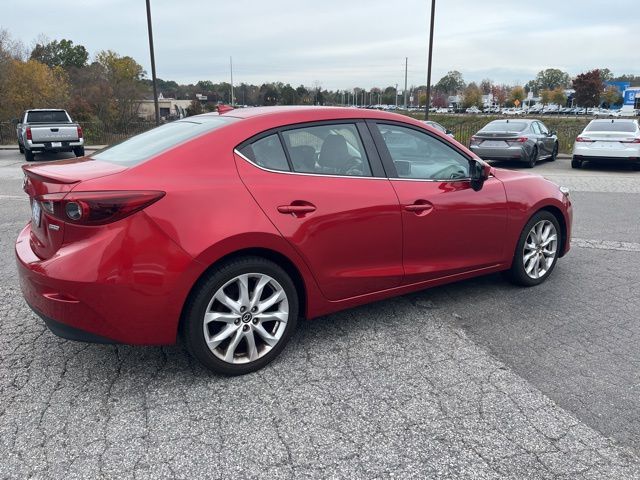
(419,155)
(535,127)
(543,129)
(327,149)
(267,152)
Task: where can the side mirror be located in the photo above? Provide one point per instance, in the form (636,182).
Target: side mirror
(449,132)
(480,172)
(552,133)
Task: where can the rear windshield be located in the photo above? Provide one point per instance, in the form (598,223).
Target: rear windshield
(611,127)
(505,127)
(149,144)
(47,116)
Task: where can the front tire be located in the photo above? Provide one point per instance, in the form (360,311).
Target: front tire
(537,250)
(241,316)
(554,153)
(21,148)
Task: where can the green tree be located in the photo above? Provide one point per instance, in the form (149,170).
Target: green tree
(60,54)
(606,75)
(472,96)
(588,87)
(451,83)
(288,95)
(486,86)
(551,78)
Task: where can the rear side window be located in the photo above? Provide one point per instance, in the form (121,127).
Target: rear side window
(47,116)
(505,127)
(327,149)
(149,144)
(267,152)
(611,127)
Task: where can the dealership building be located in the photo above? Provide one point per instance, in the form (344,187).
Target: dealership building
(631,99)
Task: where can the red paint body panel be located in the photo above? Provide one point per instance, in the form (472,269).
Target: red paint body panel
(128,280)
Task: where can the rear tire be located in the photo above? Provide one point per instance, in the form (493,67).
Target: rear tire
(78,151)
(531,162)
(540,239)
(576,163)
(231,323)
(29,155)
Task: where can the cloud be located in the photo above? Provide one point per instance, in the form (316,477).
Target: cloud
(345,44)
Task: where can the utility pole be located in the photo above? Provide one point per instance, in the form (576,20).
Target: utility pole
(433,13)
(153,65)
(406,65)
(396,96)
(231,68)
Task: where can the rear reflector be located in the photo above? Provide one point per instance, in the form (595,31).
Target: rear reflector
(583,139)
(96,208)
(630,140)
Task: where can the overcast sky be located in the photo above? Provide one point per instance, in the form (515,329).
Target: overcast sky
(344,44)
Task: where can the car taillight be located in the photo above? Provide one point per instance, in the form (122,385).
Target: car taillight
(475,141)
(630,140)
(28,133)
(79,131)
(96,208)
(583,139)
(517,140)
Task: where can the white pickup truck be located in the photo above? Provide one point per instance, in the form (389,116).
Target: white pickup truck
(49,130)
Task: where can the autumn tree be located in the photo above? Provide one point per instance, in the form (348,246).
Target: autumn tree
(60,54)
(588,87)
(124,76)
(545,97)
(32,84)
(500,94)
(559,97)
(517,95)
(611,96)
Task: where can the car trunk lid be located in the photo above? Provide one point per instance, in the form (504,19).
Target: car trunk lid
(47,232)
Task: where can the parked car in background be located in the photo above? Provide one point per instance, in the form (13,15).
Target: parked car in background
(48,130)
(473,110)
(439,127)
(226,228)
(608,141)
(522,140)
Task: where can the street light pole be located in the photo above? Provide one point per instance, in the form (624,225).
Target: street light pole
(406,65)
(153,65)
(426,108)
(231,68)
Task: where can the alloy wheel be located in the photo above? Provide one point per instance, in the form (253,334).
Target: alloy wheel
(540,249)
(246,318)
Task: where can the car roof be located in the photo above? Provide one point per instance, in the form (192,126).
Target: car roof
(515,120)
(613,120)
(312,112)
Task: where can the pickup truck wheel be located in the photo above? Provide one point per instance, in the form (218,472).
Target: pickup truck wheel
(28,155)
(79,151)
(21,148)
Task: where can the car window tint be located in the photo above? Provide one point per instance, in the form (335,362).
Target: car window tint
(327,149)
(47,116)
(157,140)
(543,128)
(267,152)
(609,126)
(503,126)
(419,155)
(535,128)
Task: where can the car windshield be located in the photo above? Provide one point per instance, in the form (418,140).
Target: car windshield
(611,127)
(505,127)
(148,144)
(47,116)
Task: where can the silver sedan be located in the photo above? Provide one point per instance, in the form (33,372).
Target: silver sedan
(521,140)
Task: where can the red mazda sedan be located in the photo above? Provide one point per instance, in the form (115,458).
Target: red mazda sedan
(225,229)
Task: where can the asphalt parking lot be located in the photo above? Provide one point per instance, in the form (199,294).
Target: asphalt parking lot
(478,379)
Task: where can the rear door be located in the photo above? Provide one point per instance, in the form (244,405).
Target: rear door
(331,201)
(448,228)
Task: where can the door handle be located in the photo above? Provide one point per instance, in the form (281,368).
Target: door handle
(420,206)
(296,210)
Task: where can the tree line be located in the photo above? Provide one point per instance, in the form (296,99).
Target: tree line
(107,89)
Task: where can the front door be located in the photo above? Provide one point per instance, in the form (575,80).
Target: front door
(319,188)
(448,227)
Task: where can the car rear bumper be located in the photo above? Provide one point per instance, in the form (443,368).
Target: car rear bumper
(630,153)
(98,292)
(66,146)
(506,153)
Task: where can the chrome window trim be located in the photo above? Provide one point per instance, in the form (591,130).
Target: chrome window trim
(308,174)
